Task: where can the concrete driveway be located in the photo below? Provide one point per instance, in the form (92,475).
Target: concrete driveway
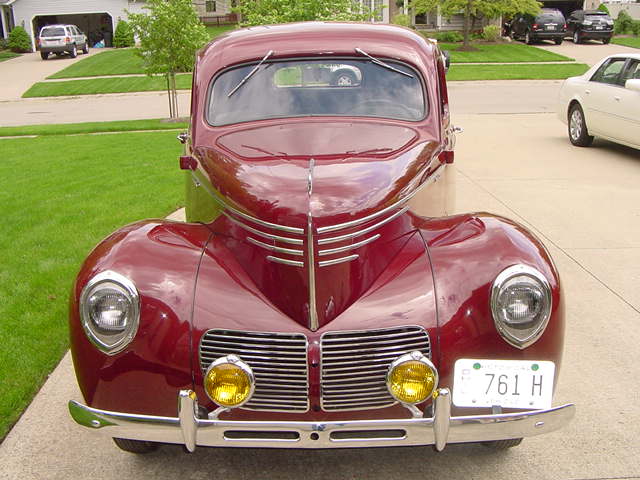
(18,74)
(583,203)
(589,52)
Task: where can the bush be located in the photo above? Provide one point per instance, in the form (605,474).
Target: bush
(635,28)
(3,44)
(448,37)
(603,8)
(402,20)
(19,40)
(123,36)
(623,24)
(491,33)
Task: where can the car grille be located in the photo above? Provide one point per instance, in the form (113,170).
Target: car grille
(278,360)
(354,365)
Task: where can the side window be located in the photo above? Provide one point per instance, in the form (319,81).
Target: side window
(609,72)
(632,72)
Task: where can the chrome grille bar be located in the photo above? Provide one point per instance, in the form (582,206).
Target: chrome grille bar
(294,241)
(348,236)
(354,365)
(273,248)
(279,362)
(336,261)
(332,251)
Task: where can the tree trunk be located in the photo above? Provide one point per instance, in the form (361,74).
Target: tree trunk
(172,95)
(467,24)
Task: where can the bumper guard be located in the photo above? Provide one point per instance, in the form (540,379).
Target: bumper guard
(438,430)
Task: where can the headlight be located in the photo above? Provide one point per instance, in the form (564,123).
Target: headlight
(586,22)
(412,378)
(521,304)
(229,382)
(110,311)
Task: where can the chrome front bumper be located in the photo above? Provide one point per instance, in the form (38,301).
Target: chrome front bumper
(438,430)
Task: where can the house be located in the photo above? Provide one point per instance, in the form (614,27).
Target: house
(97,18)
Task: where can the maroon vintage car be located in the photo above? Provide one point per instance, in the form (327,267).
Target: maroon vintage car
(321,294)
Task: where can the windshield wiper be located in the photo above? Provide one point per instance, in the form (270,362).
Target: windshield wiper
(250,74)
(381,63)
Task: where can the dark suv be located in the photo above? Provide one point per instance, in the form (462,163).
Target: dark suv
(590,24)
(549,24)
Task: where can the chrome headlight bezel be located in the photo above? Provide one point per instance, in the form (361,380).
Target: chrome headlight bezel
(516,338)
(116,342)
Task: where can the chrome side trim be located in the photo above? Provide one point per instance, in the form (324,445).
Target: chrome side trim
(331,251)
(348,236)
(235,211)
(285,261)
(190,430)
(294,241)
(335,261)
(273,248)
(437,173)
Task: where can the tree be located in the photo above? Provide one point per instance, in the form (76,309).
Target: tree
(473,9)
(123,37)
(18,40)
(170,34)
(267,12)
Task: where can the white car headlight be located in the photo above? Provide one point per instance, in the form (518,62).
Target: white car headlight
(521,304)
(110,311)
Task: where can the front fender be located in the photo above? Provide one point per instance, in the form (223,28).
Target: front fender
(467,253)
(161,258)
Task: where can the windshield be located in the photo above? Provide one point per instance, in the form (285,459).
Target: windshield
(337,87)
(550,17)
(52,32)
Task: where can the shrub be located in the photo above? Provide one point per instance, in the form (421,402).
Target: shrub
(18,40)
(448,37)
(491,33)
(402,20)
(624,23)
(603,8)
(3,44)
(635,28)
(123,36)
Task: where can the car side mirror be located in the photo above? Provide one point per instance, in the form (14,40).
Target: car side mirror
(633,84)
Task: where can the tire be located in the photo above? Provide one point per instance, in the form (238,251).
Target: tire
(73,52)
(606,40)
(576,37)
(136,446)
(558,41)
(343,79)
(512,34)
(85,49)
(577,127)
(527,38)
(44,55)
(503,444)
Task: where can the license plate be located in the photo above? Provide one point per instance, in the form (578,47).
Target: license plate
(551,27)
(504,383)
(599,27)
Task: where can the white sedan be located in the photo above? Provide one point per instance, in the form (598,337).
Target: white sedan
(604,102)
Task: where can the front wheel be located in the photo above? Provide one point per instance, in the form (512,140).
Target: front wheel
(578,134)
(136,446)
(527,38)
(503,444)
(576,37)
(606,40)
(85,49)
(558,41)
(74,52)
(44,55)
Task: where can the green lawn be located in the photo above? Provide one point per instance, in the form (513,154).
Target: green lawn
(5,55)
(105,85)
(215,30)
(502,53)
(59,196)
(111,62)
(516,72)
(92,127)
(633,42)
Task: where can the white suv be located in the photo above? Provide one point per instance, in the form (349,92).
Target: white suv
(61,39)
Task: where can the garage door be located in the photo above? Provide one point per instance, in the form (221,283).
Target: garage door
(97,26)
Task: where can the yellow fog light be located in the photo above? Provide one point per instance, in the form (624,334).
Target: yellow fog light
(412,378)
(229,381)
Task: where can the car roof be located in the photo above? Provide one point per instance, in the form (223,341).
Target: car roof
(313,39)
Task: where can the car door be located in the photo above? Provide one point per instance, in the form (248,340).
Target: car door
(601,106)
(627,102)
